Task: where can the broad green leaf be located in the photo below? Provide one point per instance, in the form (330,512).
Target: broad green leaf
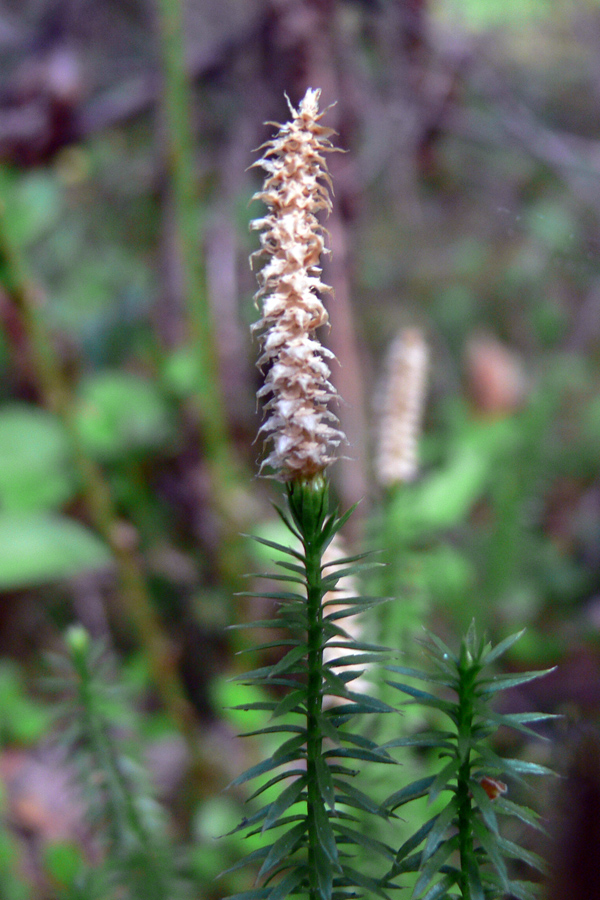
(119,413)
(40,548)
(36,470)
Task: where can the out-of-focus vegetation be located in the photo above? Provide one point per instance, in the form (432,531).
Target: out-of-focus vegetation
(468,205)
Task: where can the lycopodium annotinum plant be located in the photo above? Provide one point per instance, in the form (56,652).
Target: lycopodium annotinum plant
(307,805)
(462,851)
(308,822)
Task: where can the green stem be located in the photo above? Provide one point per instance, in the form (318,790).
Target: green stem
(314,703)
(467,675)
(308,503)
(225,483)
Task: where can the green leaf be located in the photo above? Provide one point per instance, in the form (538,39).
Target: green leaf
(526,890)
(292,703)
(512,766)
(324,831)
(274,546)
(274,729)
(40,548)
(422,739)
(513,720)
(490,845)
(119,413)
(442,822)
(412,843)
(366,755)
(514,851)
(475,885)
(287,884)
(283,847)
(36,471)
(440,888)
(485,805)
(324,871)
(502,647)
(289,773)
(325,781)
(526,815)
(289,660)
(355,837)
(290,795)
(356,798)
(260,768)
(434,863)
(424,698)
(423,676)
(357,878)
(503,682)
(410,792)
(442,778)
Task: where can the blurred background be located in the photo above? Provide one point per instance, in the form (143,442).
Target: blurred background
(467,206)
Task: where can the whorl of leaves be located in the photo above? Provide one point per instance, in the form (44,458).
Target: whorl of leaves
(310,826)
(462,852)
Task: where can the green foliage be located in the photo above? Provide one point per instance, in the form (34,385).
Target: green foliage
(22,719)
(463,853)
(119,414)
(35,466)
(312,803)
(139,859)
(40,548)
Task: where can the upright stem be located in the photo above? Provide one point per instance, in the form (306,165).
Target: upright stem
(225,484)
(308,503)
(314,702)
(465,725)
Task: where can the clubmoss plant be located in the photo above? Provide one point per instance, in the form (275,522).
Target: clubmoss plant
(313,818)
(128,823)
(462,851)
(319,757)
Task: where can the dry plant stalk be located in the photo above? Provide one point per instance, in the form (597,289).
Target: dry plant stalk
(402,408)
(298,422)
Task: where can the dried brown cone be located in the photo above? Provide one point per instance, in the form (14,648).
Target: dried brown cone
(298,423)
(402,408)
